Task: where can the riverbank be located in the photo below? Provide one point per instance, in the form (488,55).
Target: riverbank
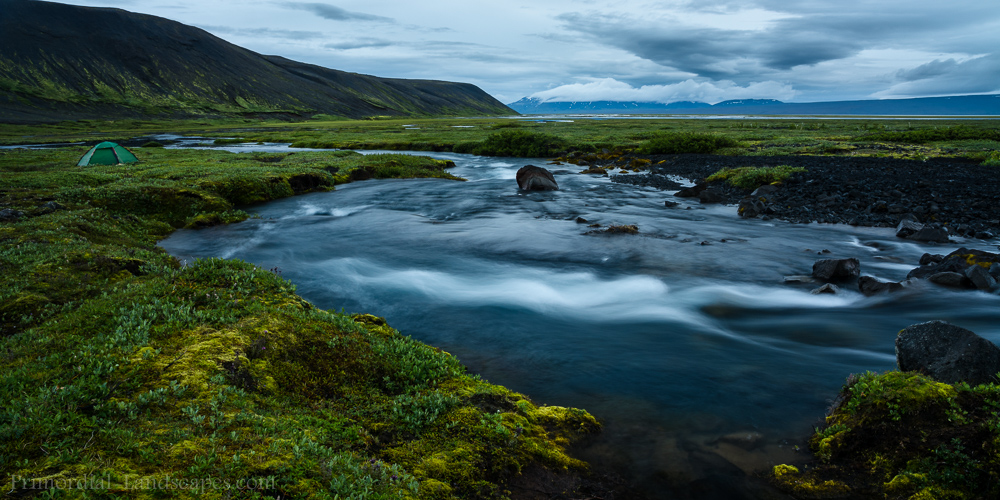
(131,375)
(862,191)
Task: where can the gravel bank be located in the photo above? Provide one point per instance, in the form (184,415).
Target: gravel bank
(957,193)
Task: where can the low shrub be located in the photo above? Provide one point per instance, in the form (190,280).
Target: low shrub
(953,133)
(754,177)
(685,142)
(516,143)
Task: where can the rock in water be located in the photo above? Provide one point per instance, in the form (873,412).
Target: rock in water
(947,353)
(870,285)
(532,178)
(836,269)
(710,196)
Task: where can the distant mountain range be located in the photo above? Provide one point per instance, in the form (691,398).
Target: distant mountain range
(60,62)
(970,105)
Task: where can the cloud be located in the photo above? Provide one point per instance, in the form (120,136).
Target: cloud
(979,75)
(264,32)
(360,43)
(764,39)
(333,13)
(609,89)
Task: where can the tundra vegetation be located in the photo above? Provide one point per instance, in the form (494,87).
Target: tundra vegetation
(119,362)
(130,374)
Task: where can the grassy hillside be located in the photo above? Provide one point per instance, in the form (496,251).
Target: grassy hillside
(131,375)
(67,62)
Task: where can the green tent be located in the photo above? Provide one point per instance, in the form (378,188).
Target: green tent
(107,153)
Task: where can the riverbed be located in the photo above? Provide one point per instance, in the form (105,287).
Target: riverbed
(703,361)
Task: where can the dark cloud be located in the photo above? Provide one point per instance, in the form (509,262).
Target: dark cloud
(949,77)
(333,13)
(810,33)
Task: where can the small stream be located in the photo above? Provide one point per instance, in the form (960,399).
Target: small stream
(684,339)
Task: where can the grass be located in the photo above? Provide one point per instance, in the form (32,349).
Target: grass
(123,370)
(845,137)
(754,177)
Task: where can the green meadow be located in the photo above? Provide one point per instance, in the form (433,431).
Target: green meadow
(123,369)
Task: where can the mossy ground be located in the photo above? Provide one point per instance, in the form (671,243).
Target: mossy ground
(901,435)
(917,139)
(124,374)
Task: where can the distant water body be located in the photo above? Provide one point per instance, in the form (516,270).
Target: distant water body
(684,339)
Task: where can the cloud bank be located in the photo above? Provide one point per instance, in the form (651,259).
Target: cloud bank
(333,13)
(712,92)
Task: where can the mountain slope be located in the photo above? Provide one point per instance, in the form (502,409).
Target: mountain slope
(64,62)
(970,105)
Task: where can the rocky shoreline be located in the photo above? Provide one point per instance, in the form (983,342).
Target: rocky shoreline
(953,193)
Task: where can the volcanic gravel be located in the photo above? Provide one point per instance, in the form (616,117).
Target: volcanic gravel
(958,193)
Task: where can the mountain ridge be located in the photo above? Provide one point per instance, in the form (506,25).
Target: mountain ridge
(68,62)
(970,105)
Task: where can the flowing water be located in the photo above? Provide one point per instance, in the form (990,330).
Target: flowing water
(704,364)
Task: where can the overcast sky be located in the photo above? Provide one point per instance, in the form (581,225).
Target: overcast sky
(583,50)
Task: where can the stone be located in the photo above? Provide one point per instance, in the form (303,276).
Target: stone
(995,271)
(930,234)
(765,191)
(532,178)
(827,288)
(930,258)
(710,196)
(596,171)
(9,214)
(952,279)
(870,285)
(799,279)
(836,269)
(52,206)
(691,192)
(980,277)
(670,204)
(947,353)
(581,220)
(907,228)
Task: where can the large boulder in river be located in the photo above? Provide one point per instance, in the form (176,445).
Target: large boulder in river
(532,178)
(836,269)
(947,353)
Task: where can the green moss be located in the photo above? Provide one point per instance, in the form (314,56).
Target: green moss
(754,177)
(120,364)
(903,435)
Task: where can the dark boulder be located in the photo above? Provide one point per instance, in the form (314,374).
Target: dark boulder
(980,277)
(931,234)
(870,285)
(10,215)
(693,191)
(532,178)
(955,280)
(947,353)
(711,196)
(836,269)
(907,228)
(912,230)
(955,262)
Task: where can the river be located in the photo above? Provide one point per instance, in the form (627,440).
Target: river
(685,339)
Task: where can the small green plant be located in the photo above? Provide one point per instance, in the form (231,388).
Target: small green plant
(517,143)
(754,177)
(685,143)
(993,160)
